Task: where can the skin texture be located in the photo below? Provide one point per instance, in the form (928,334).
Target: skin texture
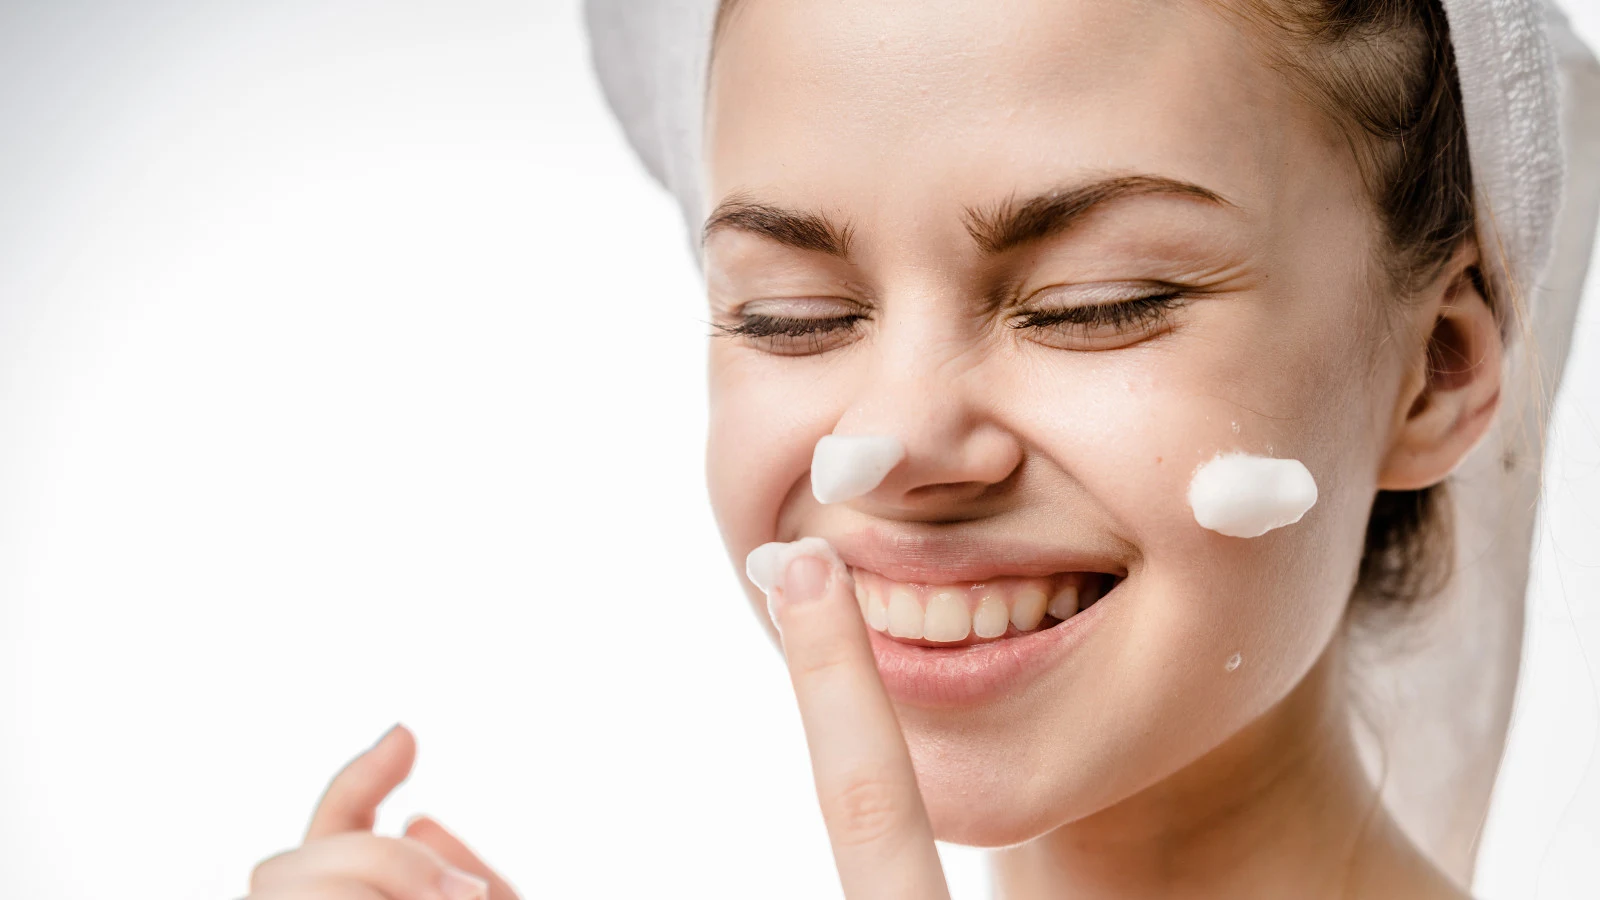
(1140,765)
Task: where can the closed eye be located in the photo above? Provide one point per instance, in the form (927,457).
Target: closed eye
(1101,326)
(793,335)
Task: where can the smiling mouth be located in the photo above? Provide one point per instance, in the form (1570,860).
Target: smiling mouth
(954,615)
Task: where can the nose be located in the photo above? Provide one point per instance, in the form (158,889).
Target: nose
(958,454)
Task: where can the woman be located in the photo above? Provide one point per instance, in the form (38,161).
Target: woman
(1054,258)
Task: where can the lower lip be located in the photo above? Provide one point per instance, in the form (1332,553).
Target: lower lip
(976,673)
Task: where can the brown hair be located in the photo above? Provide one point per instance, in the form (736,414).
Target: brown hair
(1384,72)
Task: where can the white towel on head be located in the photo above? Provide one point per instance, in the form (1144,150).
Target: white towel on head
(1440,692)
(1441,687)
(651,58)
(1511,101)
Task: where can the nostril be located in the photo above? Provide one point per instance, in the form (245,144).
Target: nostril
(951,491)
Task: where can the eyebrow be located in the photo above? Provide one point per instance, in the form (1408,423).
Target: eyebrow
(793,228)
(1011,223)
(1002,227)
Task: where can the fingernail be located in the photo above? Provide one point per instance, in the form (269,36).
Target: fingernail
(806,580)
(458,885)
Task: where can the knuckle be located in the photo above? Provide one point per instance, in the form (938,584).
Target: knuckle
(406,854)
(267,869)
(404,869)
(412,868)
(864,811)
(819,664)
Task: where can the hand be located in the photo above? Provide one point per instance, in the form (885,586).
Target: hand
(341,859)
(882,839)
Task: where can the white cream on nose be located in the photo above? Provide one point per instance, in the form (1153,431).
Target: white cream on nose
(1246,496)
(845,466)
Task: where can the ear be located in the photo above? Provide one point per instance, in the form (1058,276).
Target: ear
(1452,385)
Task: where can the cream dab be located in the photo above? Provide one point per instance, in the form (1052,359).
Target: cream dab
(1246,496)
(766,564)
(845,466)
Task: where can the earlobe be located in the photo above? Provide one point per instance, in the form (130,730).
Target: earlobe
(1454,389)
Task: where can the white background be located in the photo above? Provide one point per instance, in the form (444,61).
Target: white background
(351,372)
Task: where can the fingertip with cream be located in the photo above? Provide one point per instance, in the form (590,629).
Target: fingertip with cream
(767,565)
(772,565)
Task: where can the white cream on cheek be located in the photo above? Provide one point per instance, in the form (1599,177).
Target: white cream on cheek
(846,466)
(1241,495)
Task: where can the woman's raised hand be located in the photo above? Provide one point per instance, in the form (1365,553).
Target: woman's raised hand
(341,859)
(882,839)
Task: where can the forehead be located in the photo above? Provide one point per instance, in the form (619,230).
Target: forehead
(869,103)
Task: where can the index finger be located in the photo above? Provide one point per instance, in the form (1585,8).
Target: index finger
(458,854)
(877,823)
(351,801)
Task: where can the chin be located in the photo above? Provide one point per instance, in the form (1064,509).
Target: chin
(984,796)
(989,819)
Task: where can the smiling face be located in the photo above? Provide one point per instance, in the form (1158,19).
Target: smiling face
(1066,252)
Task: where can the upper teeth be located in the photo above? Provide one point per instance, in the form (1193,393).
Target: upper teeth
(1065,602)
(952,613)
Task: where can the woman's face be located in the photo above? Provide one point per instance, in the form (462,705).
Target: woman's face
(939,191)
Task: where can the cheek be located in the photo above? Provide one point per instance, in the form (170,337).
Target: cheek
(764,422)
(1131,430)
(1140,426)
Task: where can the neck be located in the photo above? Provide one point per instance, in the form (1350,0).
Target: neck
(1281,809)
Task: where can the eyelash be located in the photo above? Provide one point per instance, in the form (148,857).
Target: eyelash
(1141,314)
(784,332)
(785,326)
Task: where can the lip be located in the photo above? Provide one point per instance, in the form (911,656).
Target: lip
(946,558)
(944,677)
(972,674)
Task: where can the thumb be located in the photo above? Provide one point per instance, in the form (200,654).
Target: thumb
(426,831)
